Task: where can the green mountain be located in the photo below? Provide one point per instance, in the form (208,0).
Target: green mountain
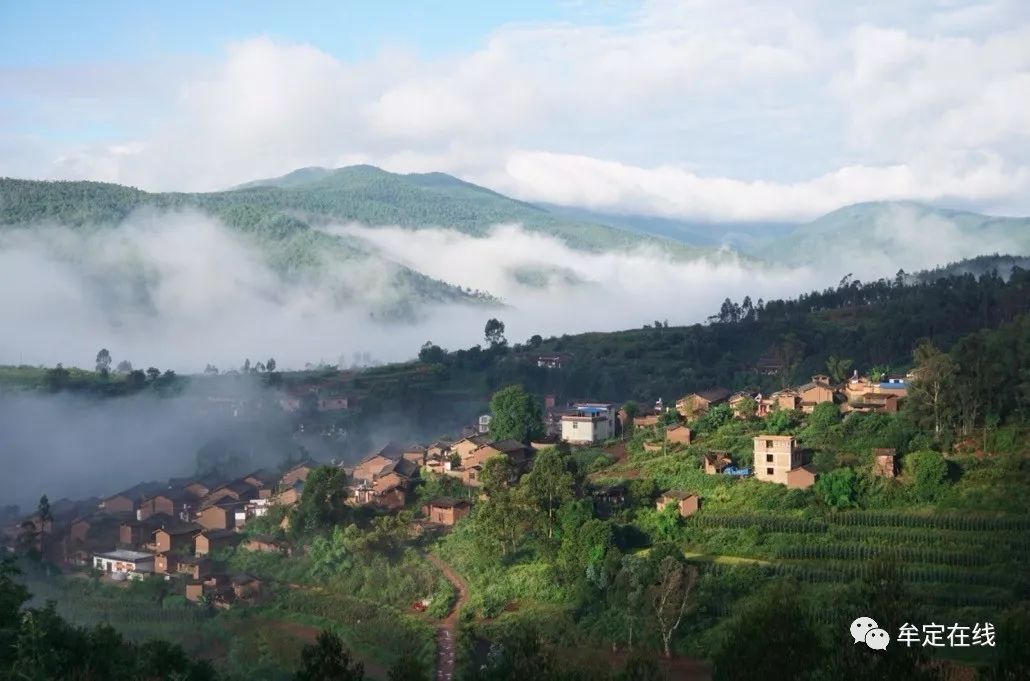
(282,217)
(375,197)
(911,234)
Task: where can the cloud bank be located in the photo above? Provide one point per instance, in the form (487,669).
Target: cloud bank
(725,110)
(179,290)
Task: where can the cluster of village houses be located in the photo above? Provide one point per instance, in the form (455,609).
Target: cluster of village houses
(778,458)
(169,529)
(172,529)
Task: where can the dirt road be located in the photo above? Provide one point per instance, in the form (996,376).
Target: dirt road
(447,628)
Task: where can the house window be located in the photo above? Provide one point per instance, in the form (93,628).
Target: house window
(575,425)
(768,444)
(768,471)
(768,458)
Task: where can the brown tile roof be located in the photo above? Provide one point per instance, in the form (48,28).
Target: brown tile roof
(403,467)
(390,450)
(447,502)
(179,530)
(716,394)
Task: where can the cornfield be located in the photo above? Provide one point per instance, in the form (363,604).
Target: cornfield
(901,554)
(766,522)
(965,522)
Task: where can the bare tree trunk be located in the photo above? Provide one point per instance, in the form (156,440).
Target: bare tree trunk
(671,600)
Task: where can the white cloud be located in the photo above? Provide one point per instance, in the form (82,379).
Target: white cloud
(674,192)
(714,110)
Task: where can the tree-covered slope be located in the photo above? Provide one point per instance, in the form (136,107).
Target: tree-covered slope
(317,196)
(899,231)
(277,225)
(873,323)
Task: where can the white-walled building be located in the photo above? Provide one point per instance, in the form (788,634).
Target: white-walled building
(588,423)
(125,563)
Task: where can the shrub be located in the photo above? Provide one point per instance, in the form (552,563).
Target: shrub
(927,473)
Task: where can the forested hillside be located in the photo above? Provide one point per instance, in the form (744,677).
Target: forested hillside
(278,225)
(316,196)
(761,345)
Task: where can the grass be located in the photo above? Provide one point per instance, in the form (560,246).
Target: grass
(698,557)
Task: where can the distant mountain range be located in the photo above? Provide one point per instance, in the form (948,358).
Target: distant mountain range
(282,217)
(897,230)
(901,231)
(739,236)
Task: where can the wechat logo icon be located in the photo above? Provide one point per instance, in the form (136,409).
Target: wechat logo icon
(865,629)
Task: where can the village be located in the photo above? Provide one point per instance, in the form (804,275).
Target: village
(174,530)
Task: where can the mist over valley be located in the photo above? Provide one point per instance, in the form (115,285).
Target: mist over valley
(319,265)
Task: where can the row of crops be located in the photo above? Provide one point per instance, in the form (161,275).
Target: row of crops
(764,521)
(958,561)
(901,554)
(999,547)
(872,519)
(964,522)
(845,572)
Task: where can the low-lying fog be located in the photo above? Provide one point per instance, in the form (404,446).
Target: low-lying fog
(179,291)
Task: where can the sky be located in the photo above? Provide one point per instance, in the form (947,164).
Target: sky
(690,109)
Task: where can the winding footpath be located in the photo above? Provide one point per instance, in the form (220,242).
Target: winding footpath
(447,628)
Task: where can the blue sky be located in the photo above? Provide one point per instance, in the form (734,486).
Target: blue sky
(689,109)
(46,32)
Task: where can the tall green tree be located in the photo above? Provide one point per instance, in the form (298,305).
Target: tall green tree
(515,415)
(821,425)
(505,518)
(493,332)
(838,368)
(550,483)
(322,504)
(626,597)
(46,521)
(930,395)
(103,364)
